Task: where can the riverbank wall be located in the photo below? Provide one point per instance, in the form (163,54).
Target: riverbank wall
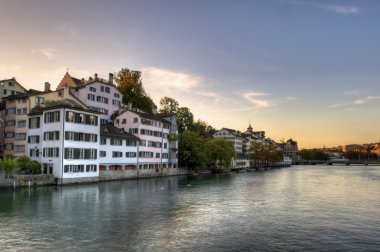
(27,181)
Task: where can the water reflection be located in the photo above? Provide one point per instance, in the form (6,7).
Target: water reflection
(300,208)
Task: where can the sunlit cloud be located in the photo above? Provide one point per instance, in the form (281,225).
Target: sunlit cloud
(49,53)
(257,99)
(367,99)
(351,92)
(164,79)
(337,8)
(216,97)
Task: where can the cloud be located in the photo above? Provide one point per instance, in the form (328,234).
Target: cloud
(257,100)
(351,92)
(168,80)
(216,97)
(337,8)
(49,53)
(357,102)
(367,99)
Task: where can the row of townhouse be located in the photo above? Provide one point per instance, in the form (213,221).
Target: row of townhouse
(70,132)
(242,142)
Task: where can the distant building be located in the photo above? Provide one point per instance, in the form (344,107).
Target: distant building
(10,87)
(290,149)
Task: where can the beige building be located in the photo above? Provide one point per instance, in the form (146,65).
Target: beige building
(10,87)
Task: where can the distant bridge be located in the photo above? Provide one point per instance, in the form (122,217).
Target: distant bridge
(337,161)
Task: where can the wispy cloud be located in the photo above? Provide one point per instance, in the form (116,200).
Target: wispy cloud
(351,92)
(167,79)
(49,53)
(337,8)
(367,99)
(258,100)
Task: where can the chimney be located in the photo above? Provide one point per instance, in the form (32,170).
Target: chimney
(110,78)
(47,87)
(129,106)
(96,76)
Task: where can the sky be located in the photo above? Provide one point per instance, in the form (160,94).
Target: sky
(307,70)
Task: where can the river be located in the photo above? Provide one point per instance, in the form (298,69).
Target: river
(302,208)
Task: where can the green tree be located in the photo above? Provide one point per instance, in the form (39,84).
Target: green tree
(25,163)
(130,85)
(184,119)
(220,151)
(168,106)
(8,164)
(192,151)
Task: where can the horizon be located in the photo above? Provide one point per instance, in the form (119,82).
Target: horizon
(306,70)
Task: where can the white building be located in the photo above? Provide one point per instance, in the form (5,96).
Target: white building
(158,143)
(118,149)
(65,140)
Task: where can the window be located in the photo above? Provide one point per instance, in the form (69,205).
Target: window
(79,136)
(19,148)
(157,155)
(40,100)
(116,103)
(60,93)
(21,124)
(52,117)
(102,99)
(9,134)
(165,155)
(134,130)
(117,154)
(145,154)
(20,136)
(102,154)
(102,88)
(34,123)
(165,145)
(10,123)
(135,120)
(81,118)
(10,111)
(9,146)
(73,168)
(103,121)
(130,154)
(116,95)
(131,143)
(79,153)
(116,141)
(51,135)
(103,141)
(92,89)
(91,168)
(91,97)
(51,152)
(11,84)
(142,142)
(124,121)
(107,90)
(33,139)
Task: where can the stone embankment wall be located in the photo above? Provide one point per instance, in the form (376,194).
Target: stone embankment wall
(135,174)
(27,180)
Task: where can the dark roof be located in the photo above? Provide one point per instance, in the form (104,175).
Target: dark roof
(150,116)
(77,81)
(67,103)
(28,93)
(108,130)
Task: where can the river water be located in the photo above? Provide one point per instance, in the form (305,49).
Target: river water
(302,208)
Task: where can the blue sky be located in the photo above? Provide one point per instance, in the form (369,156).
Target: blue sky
(294,68)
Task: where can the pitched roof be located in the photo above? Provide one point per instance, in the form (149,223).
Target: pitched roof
(108,130)
(148,116)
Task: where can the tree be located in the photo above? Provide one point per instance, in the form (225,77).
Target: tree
(8,164)
(25,163)
(130,85)
(184,119)
(220,151)
(192,152)
(168,106)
